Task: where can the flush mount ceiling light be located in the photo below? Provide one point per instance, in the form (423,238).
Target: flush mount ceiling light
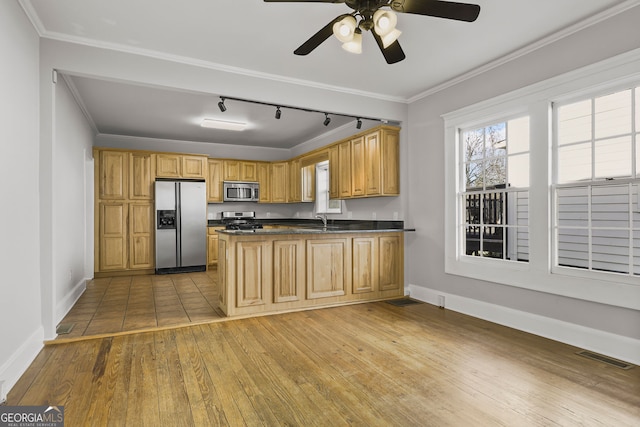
(369,15)
(222,124)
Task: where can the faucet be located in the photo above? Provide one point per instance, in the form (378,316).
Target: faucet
(323,217)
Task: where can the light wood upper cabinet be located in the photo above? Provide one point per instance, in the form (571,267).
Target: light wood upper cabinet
(344,179)
(141,176)
(390,161)
(308,190)
(279,182)
(194,167)
(214,181)
(264,179)
(295,181)
(113,174)
(334,172)
(141,235)
(240,170)
(373,164)
(358,167)
(168,165)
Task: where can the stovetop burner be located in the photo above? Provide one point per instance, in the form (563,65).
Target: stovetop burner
(240,220)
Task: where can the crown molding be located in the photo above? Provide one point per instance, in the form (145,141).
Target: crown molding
(565,32)
(76,96)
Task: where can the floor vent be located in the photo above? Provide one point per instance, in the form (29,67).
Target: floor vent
(64,328)
(605,359)
(402,302)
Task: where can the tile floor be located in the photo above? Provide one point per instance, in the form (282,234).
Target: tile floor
(130,303)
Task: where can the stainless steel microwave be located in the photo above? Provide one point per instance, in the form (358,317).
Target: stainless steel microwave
(237,191)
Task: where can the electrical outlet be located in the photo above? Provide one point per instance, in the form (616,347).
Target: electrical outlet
(373,215)
(395,216)
(349,215)
(3,396)
(268,214)
(441,301)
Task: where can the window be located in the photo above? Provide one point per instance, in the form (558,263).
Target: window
(323,203)
(597,216)
(494,194)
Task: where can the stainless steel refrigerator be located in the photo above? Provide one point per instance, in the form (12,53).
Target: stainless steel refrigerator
(181,226)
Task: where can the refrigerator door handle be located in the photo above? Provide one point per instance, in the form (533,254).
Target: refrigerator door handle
(178,226)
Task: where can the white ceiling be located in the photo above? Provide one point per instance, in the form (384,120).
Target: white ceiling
(259,38)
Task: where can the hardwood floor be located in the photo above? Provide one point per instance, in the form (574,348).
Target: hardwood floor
(132,303)
(371,364)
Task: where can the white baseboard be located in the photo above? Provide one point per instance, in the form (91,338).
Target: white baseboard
(63,307)
(12,369)
(612,345)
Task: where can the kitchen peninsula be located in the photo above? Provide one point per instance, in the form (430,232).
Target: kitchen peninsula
(294,267)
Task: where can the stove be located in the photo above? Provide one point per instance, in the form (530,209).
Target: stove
(240,221)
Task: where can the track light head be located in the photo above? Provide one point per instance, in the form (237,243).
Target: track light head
(278,113)
(327,119)
(221,105)
(359,123)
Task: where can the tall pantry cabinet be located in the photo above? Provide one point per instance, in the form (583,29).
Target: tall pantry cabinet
(124,211)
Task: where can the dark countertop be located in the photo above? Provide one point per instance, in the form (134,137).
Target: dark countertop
(314,226)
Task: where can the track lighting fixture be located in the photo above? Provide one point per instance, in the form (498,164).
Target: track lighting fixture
(279,108)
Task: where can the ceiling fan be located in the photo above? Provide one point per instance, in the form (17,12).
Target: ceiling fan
(371,15)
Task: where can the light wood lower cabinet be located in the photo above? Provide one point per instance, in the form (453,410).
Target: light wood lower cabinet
(271,273)
(125,236)
(326,272)
(212,245)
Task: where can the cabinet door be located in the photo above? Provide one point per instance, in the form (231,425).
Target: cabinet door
(248,171)
(372,164)
(113,175)
(344,181)
(212,255)
(214,181)
(390,162)
(365,266)
(295,182)
(222,276)
(251,274)
(288,270)
(168,165)
(357,167)
(194,167)
(327,263)
(141,233)
(231,170)
(390,262)
(279,187)
(112,236)
(264,179)
(308,191)
(141,176)
(334,172)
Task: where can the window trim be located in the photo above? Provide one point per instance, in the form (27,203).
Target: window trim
(536,102)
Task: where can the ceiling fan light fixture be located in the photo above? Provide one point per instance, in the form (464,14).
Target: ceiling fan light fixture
(355,45)
(390,37)
(384,22)
(345,29)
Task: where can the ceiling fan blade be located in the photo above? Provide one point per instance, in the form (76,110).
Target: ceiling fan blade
(393,53)
(441,9)
(318,38)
